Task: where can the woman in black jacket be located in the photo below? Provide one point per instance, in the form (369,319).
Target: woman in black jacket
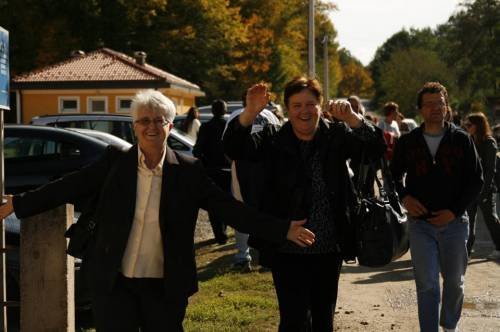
(306,176)
(478,127)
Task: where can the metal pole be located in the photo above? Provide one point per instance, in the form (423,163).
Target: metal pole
(326,71)
(310,41)
(4,105)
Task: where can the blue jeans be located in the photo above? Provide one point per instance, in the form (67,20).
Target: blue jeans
(433,250)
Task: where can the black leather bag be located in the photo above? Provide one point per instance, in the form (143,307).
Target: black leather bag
(381,222)
(81,232)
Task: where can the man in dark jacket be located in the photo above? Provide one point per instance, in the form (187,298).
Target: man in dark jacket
(140,264)
(443,177)
(307,176)
(210,151)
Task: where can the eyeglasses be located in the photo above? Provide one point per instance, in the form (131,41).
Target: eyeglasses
(432,104)
(158,122)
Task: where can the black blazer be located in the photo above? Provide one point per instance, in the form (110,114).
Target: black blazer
(185,189)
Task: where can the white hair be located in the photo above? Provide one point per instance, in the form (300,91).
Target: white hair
(154,101)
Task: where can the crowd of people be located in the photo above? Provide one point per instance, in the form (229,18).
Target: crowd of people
(285,187)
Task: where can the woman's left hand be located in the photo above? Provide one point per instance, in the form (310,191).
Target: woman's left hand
(299,234)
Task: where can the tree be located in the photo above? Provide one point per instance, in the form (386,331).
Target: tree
(470,42)
(402,40)
(356,79)
(407,71)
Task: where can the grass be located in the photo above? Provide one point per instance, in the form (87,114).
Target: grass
(229,300)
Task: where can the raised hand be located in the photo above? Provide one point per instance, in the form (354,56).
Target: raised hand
(342,110)
(299,234)
(7,208)
(256,100)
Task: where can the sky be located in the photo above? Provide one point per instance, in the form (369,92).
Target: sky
(364,25)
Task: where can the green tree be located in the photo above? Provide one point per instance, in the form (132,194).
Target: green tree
(407,71)
(470,42)
(402,40)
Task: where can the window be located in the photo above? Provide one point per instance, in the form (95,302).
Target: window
(19,147)
(69,104)
(123,104)
(97,104)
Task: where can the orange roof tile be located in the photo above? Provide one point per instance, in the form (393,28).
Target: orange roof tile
(103,65)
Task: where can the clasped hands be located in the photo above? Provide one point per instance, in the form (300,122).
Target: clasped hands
(417,209)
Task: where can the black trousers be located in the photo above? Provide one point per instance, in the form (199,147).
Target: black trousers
(487,204)
(306,286)
(138,303)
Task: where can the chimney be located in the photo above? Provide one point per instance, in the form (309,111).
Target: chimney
(140,57)
(77,54)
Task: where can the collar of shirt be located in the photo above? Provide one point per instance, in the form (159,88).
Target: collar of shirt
(142,163)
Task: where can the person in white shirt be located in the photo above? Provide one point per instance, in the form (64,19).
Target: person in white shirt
(191,125)
(389,123)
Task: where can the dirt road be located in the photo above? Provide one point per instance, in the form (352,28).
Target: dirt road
(384,299)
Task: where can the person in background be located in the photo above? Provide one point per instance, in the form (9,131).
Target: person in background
(390,127)
(357,105)
(389,124)
(210,151)
(437,174)
(478,127)
(307,176)
(247,183)
(191,125)
(140,264)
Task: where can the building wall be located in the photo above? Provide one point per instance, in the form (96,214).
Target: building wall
(46,102)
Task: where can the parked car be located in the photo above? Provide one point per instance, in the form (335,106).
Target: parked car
(231,107)
(204,117)
(115,124)
(36,155)
(118,125)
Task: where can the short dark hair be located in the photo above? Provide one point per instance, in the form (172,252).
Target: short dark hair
(432,87)
(219,107)
(390,107)
(300,83)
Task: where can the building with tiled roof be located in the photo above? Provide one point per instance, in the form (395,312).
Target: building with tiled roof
(103,81)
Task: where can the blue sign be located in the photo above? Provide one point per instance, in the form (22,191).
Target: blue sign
(4,69)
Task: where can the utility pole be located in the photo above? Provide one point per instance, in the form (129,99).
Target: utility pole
(310,41)
(326,72)
(4,106)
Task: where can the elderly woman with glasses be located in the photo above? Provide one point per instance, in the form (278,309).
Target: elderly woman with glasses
(140,264)
(478,127)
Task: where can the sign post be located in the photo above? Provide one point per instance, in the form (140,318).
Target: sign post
(4,106)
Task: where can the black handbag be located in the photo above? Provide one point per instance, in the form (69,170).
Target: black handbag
(81,232)
(381,221)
